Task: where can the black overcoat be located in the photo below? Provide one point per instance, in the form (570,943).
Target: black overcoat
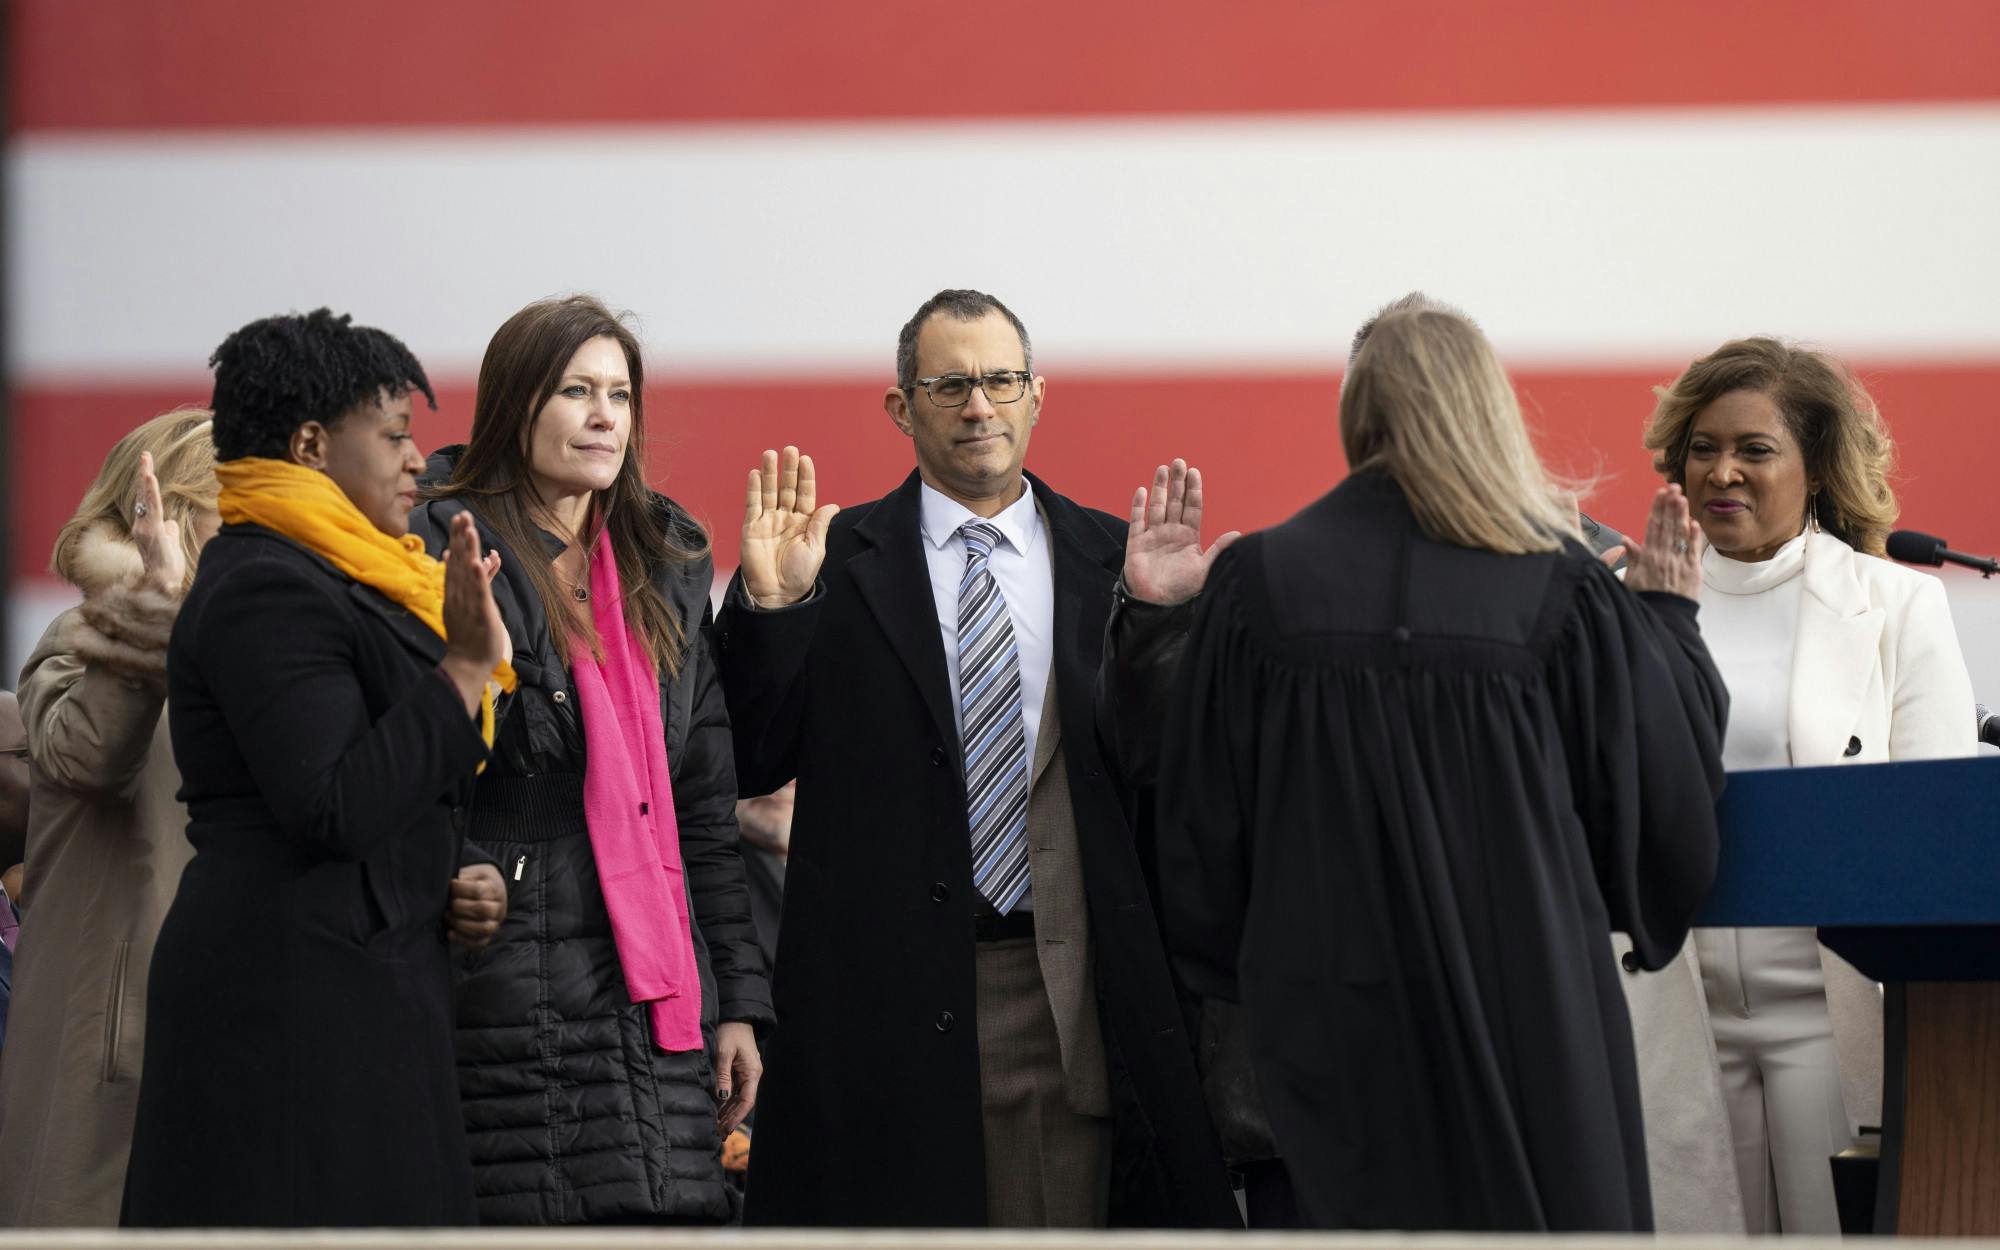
(298,1059)
(870,1111)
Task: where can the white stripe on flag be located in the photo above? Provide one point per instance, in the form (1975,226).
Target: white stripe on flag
(1204,243)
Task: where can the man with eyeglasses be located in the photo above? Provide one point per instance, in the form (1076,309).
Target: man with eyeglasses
(977,1025)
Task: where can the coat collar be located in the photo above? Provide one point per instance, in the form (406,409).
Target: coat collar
(1839,635)
(893,580)
(401,622)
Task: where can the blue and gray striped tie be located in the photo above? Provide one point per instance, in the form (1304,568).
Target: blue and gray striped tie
(994,737)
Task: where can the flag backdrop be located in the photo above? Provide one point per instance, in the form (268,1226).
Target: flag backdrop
(1191,204)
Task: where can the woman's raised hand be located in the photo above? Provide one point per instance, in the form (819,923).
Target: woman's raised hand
(475,637)
(1670,558)
(161,556)
(784,530)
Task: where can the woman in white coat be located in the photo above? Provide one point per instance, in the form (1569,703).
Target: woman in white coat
(1832,655)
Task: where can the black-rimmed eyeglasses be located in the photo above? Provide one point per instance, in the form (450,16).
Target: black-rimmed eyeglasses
(954,390)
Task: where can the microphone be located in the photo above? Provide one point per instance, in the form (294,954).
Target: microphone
(1911,547)
(1989,724)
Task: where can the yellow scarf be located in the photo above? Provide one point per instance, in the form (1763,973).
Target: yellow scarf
(305,506)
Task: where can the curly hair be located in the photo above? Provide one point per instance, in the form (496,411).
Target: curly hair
(1847,451)
(274,375)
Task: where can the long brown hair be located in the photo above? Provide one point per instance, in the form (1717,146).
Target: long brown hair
(184,464)
(524,363)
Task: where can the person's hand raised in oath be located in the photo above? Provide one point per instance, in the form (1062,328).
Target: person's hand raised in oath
(1164,562)
(475,637)
(1670,558)
(156,536)
(784,530)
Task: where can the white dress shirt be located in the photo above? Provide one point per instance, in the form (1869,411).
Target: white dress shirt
(1021,566)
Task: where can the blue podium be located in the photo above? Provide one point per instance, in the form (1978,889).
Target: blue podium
(1899,867)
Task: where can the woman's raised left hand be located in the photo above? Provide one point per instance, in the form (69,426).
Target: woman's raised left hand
(738,1068)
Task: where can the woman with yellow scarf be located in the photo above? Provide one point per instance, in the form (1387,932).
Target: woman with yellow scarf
(330,687)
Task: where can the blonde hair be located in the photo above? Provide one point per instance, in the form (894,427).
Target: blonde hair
(1426,401)
(1847,451)
(184,463)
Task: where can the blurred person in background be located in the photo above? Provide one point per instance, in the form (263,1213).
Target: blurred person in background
(13,838)
(1832,655)
(1424,754)
(766,824)
(108,836)
(330,692)
(13,792)
(607,1041)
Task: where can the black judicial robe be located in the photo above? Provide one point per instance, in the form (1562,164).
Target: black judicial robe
(1407,789)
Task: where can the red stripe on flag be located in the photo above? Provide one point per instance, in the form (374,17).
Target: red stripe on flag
(91,64)
(1266,445)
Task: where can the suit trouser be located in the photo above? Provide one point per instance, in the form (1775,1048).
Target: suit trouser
(1774,1040)
(1047,1166)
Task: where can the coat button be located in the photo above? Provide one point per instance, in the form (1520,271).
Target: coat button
(458,817)
(560,697)
(937,756)
(944,1022)
(1853,747)
(940,892)
(1630,961)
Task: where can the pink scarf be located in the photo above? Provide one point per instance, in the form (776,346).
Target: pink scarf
(628,802)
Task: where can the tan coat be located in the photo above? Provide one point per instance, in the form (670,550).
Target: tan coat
(1062,922)
(106,844)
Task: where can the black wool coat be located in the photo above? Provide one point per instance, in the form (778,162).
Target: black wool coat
(574,1115)
(870,1110)
(298,1058)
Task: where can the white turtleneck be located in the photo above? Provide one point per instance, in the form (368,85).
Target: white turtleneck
(1750,620)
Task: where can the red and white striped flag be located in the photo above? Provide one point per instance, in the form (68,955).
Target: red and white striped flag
(1191,205)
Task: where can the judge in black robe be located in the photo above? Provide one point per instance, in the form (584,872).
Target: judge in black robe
(1406,789)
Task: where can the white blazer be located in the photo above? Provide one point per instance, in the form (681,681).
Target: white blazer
(1876,663)
(1877,675)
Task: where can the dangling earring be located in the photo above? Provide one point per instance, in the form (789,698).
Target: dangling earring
(1812,510)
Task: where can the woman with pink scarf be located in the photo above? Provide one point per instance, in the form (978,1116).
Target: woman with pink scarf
(607,1038)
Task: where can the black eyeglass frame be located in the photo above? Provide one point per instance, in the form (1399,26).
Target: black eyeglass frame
(1025,378)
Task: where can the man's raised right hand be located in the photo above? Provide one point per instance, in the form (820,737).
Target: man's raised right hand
(784,530)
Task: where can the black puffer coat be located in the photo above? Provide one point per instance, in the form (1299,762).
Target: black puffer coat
(574,1116)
